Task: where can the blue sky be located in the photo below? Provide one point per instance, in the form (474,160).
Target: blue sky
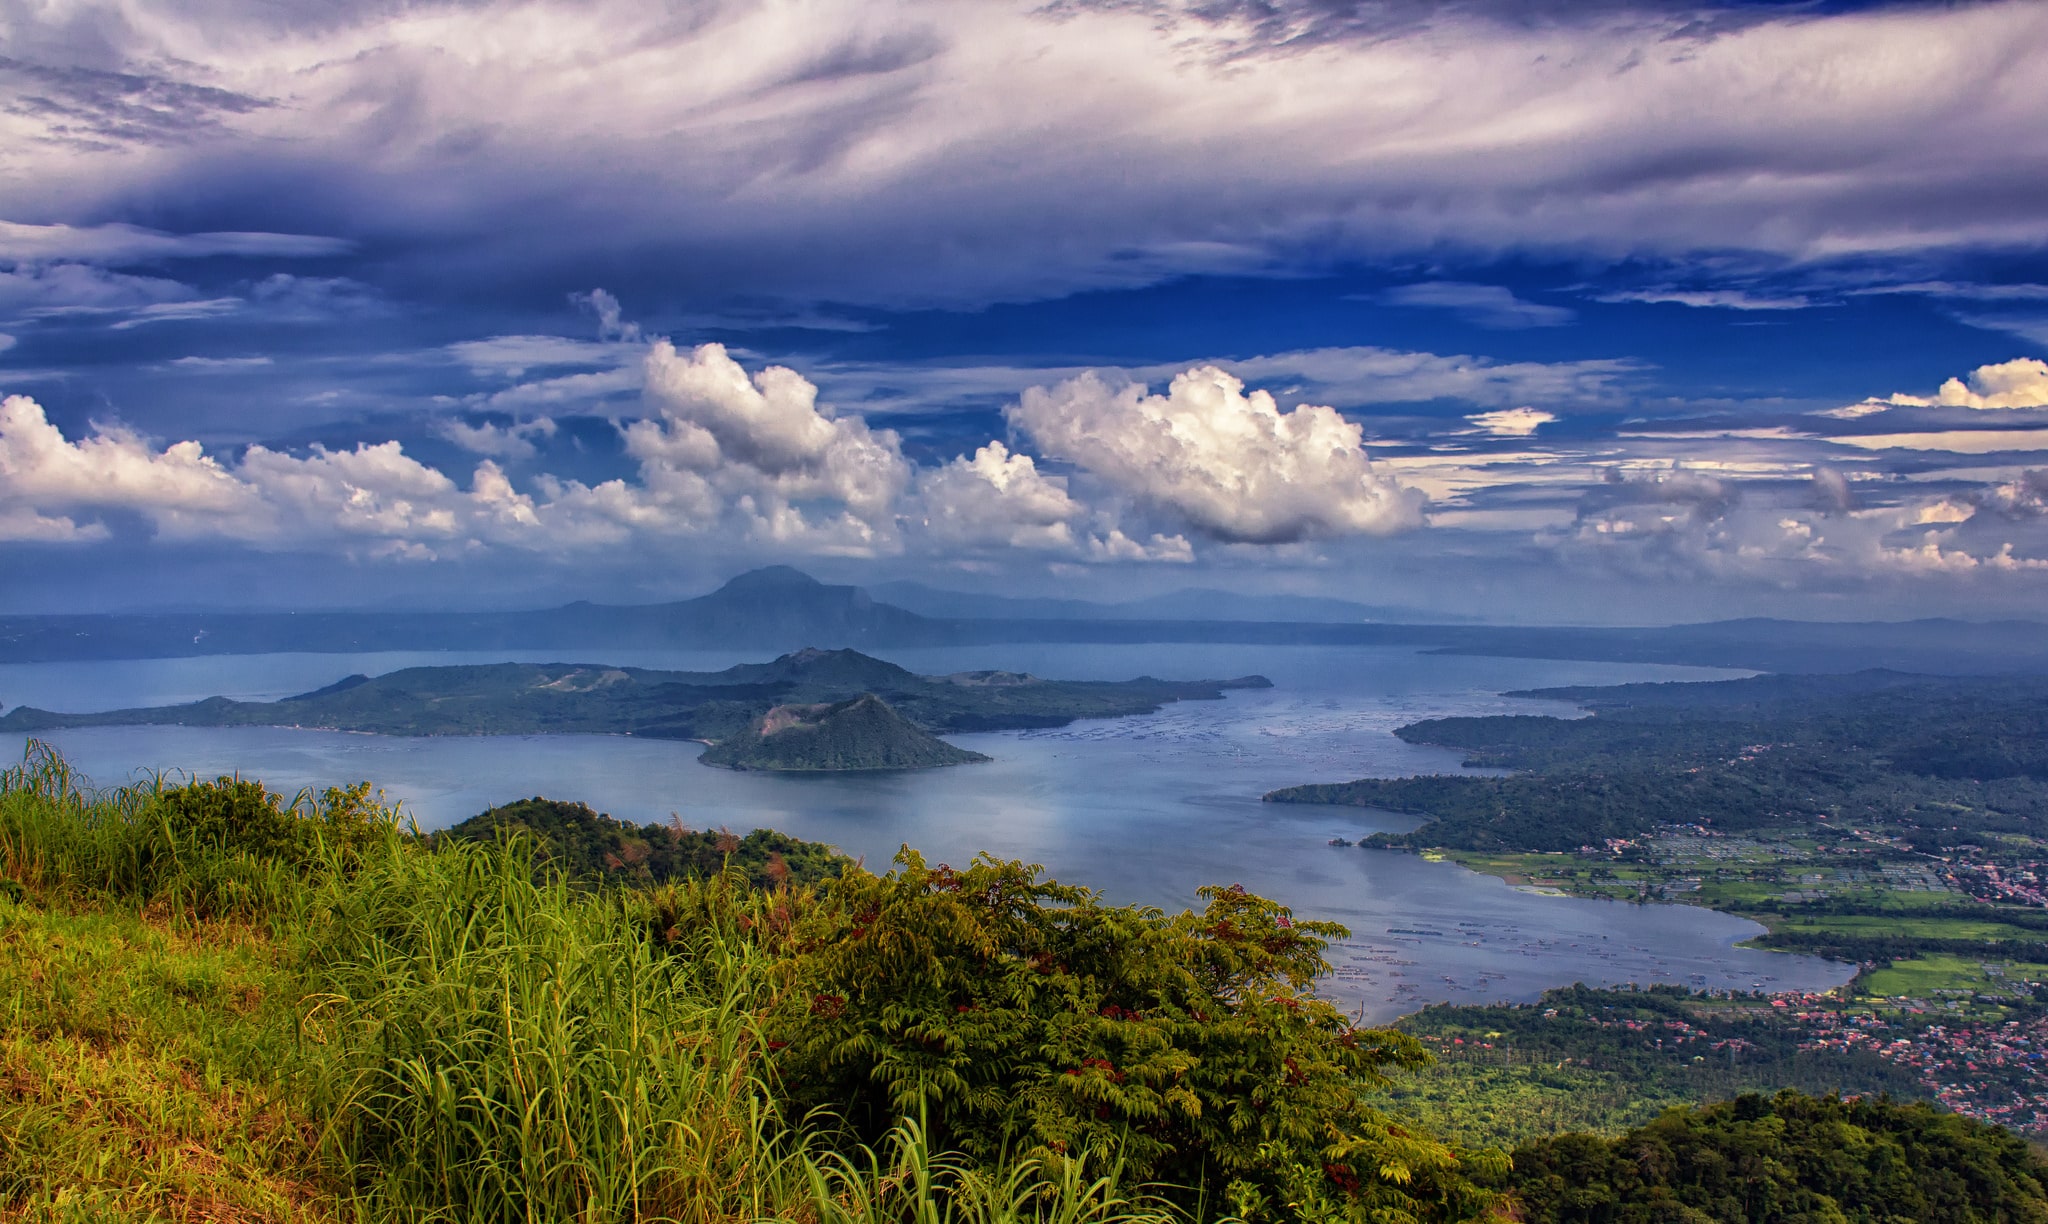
(1538,311)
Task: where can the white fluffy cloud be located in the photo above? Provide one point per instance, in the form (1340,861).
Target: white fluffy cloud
(1512,422)
(997,499)
(739,459)
(1233,466)
(794,471)
(53,489)
(2019,383)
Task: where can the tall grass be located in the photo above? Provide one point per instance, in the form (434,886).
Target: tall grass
(475,1043)
(491,1048)
(62,838)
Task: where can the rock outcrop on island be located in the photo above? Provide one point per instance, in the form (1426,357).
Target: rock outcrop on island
(861,733)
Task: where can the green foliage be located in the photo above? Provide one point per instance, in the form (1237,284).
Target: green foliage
(210,848)
(571,839)
(1018,1014)
(234,815)
(492,1048)
(906,1181)
(1787,1157)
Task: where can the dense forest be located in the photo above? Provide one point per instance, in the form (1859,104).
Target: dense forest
(1941,759)
(1786,1157)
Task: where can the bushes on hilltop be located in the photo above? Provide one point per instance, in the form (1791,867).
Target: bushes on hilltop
(583,844)
(1018,1015)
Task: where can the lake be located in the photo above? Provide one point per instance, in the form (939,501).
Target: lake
(1143,809)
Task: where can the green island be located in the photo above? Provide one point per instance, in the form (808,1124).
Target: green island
(1893,821)
(230,1005)
(805,711)
(859,733)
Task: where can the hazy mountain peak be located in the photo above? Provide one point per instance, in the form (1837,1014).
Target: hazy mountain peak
(769,578)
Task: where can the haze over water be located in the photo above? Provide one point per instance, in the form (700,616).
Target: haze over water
(1144,809)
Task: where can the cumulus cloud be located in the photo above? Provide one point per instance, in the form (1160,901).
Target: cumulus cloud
(2024,496)
(793,468)
(373,494)
(1233,466)
(997,499)
(1512,422)
(20,524)
(727,456)
(1685,525)
(2019,383)
(722,456)
(1831,491)
(612,323)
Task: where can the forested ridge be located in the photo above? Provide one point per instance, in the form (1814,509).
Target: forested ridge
(1931,756)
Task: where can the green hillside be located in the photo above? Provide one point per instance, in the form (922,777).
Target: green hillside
(1933,760)
(589,845)
(856,734)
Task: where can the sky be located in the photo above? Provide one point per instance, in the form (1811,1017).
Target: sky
(1584,311)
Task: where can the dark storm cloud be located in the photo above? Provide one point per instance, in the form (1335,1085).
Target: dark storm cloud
(960,154)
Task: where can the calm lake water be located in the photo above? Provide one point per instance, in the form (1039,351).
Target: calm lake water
(1144,809)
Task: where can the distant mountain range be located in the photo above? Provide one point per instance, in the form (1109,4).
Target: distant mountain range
(1190,604)
(781,609)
